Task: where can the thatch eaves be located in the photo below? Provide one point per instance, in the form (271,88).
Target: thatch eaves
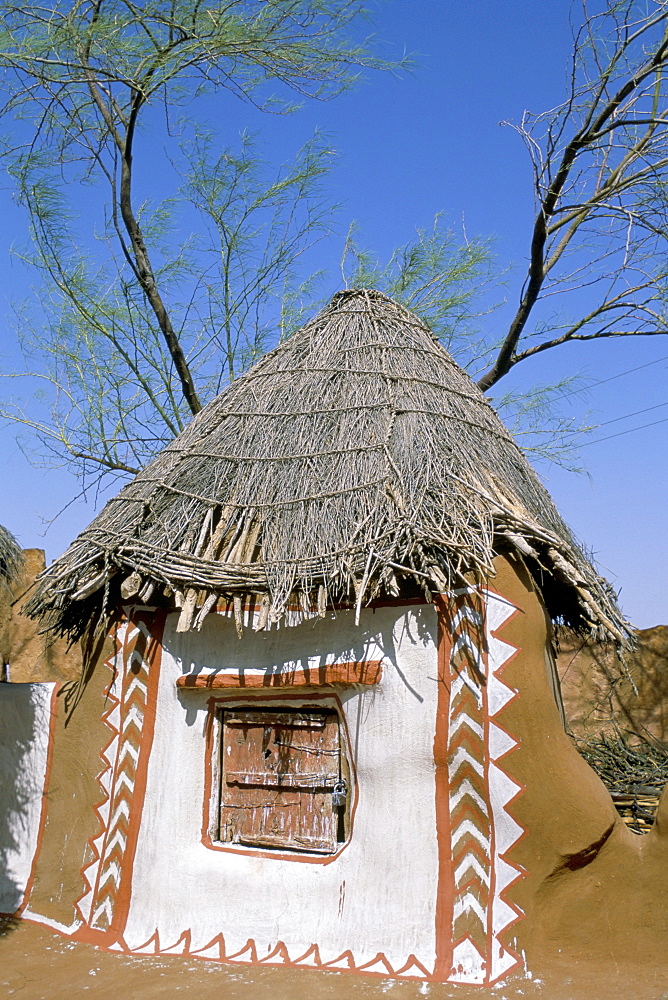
(11,557)
(352,462)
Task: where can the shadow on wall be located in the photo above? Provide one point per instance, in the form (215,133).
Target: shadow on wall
(24,714)
(598,689)
(332,639)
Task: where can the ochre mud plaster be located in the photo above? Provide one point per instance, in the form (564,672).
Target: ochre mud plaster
(36,964)
(603,695)
(29,655)
(592,888)
(71,795)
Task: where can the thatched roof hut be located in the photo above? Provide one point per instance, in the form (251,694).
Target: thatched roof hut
(354,461)
(11,556)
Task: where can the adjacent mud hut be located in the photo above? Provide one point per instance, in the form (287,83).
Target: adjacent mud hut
(323,729)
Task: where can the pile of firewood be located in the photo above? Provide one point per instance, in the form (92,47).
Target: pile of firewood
(634,771)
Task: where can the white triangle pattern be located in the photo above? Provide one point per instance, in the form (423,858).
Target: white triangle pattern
(339,963)
(309,961)
(502,790)
(108,755)
(506,874)
(502,961)
(176,949)
(213,952)
(467,963)
(498,695)
(116,778)
(500,742)
(469,966)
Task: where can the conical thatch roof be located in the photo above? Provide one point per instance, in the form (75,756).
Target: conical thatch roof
(355,460)
(11,556)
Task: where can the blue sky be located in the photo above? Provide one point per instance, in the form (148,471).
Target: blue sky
(410,146)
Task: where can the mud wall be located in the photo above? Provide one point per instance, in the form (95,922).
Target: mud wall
(598,690)
(25,655)
(592,890)
(481,839)
(421,889)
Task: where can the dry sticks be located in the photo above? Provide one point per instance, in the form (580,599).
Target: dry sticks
(634,772)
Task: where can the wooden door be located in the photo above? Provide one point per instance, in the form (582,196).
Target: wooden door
(278,771)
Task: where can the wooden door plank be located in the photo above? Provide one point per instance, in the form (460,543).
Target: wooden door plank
(278,772)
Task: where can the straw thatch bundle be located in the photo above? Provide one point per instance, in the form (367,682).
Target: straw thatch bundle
(11,556)
(355,460)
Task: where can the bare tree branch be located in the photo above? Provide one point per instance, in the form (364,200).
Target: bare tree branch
(599,164)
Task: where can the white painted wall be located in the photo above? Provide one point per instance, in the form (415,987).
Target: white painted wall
(24,741)
(379,895)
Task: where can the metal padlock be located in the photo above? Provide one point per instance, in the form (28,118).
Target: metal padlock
(339,793)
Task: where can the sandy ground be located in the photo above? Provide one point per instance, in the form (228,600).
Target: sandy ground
(36,964)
